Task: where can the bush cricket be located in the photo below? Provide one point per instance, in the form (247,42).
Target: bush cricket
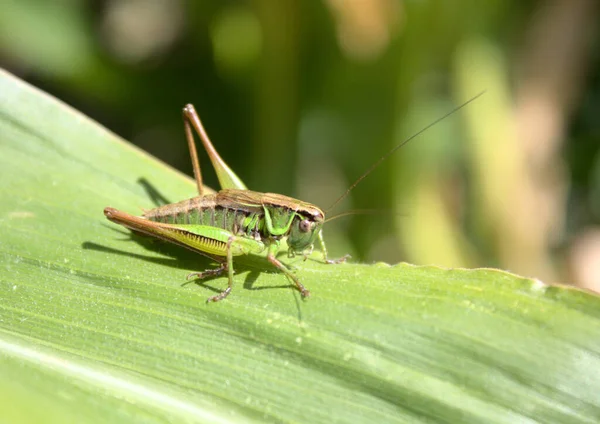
(236,221)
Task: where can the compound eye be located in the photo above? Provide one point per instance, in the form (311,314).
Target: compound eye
(305,225)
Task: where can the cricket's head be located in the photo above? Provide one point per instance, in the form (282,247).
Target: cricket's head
(300,221)
(305,229)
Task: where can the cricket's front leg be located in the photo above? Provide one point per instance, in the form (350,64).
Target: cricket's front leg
(235,246)
(325,256)
(229,267)
(224,266)
(273,248)
(213,272)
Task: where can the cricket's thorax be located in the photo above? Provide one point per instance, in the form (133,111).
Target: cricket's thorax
(243,212)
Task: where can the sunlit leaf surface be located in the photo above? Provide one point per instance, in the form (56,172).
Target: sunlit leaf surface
(96,325)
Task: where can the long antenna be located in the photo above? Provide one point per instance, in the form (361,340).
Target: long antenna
(388,154)
(356,212)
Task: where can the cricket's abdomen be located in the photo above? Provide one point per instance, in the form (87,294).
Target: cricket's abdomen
(207,210)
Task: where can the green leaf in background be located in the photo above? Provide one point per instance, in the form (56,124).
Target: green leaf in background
(96,325)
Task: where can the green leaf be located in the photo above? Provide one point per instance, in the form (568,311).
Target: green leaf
(96,325)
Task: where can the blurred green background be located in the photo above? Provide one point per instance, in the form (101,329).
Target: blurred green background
(302,97)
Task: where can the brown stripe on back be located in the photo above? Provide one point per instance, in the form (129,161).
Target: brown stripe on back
(170,212)
(304,208)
